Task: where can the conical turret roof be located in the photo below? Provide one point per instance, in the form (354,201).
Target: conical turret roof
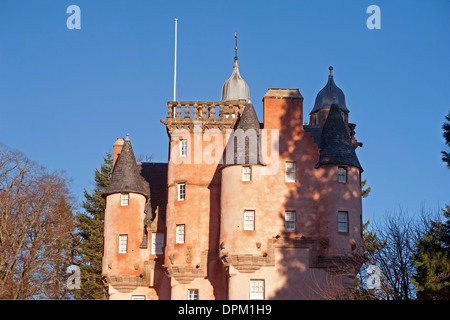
(126,175)
(336,147)
(244,145)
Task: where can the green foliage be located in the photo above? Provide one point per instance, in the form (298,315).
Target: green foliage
(90,225)
(432,261)
(366,191)
(446,128)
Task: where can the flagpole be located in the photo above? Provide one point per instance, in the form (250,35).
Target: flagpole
(175,67)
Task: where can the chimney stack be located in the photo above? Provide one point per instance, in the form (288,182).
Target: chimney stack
(117,149)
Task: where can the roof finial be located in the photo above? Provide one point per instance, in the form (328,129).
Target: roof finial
(235,46)
(127,138)
(331,69)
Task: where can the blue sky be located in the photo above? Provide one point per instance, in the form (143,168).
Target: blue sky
(66,95)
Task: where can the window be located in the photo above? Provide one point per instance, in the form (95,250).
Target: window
(123,243)
(246,173)
(157,243)
(124,199)
(192,294)
(181,191)
(180,233)
(342,175)
(137,297)
(249,220)
(290,171)
(256,289)
(289,221)
(342,221)
(183,147)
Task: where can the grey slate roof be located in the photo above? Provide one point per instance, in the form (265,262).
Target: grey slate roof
(248,125)
(126,176)
(329,94)
(336,147)
(315,132)
(155,180)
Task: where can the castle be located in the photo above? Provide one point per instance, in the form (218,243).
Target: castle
(243,209)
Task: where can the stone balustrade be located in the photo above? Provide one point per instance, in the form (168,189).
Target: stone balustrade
(221,115)
(204,109)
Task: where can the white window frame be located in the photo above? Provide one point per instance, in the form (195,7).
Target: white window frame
(257,289)
(246,173)
(342,175)
(249,220)
(181,191)
(157,243)
(289,221)
(290,169)
(124,199)
(192,294)
(342,221)
(183,147)
(123,243)
(181,233)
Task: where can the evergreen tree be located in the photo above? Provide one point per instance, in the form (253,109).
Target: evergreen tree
(446,128)
(432,260)
(90,225)
(432,256)
(366,191)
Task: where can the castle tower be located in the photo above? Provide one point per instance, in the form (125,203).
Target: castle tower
(124,250)
(197,144)
(341,167)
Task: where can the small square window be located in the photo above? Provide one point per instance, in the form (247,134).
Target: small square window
(183,147)
(124,199)
(290,171)
(342,221)
(192,294)
(181,191)
(256,289)
(342,175)
(249,220)
(180,233)
(289,221)
(123,243)
(246,173)
(157,243)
